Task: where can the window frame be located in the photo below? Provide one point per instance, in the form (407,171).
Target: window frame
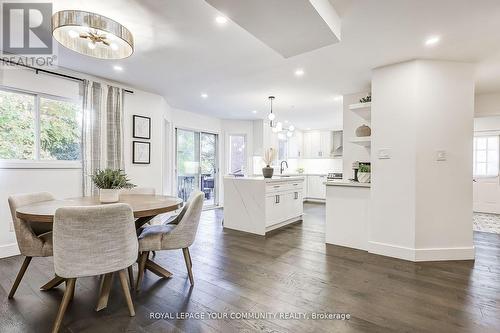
(474,156)
(37,163)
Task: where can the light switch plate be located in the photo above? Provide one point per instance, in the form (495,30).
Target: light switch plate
(384,154)
(441,155)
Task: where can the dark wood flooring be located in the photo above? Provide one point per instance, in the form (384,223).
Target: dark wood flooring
(291,271)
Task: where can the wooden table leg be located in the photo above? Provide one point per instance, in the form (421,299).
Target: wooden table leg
(102,302)
(142,221)
(57,280)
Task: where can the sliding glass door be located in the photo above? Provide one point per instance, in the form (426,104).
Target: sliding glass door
(196,156)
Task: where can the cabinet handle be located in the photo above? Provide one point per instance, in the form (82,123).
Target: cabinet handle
(276,186)
(277,199)
(320,153)
(295,184)
(296,195)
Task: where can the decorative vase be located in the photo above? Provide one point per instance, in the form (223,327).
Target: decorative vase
(267,172)
(109,195)
(363,130)
(364,177)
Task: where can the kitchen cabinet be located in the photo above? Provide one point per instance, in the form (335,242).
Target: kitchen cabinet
(315,187)
(317,144)
(295,145)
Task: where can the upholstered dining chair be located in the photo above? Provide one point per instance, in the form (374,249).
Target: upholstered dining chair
(172,236)
(92,241)
(32,243)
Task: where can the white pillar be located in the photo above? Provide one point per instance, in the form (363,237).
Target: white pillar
(421,199)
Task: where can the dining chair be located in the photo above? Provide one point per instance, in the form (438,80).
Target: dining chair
(94,241)
(31,244)
(172,236)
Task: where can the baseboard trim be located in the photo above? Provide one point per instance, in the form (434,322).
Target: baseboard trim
(390,250)
(424,254)
(9,250)
(440,254)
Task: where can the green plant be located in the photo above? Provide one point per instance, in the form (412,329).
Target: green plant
(365,168)
(111,179)
(366,99)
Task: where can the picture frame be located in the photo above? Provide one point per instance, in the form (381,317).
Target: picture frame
(141,127)
(141,152)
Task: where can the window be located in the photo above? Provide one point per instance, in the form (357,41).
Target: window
(486,153)
(282,149)
(38,127)
(237,154)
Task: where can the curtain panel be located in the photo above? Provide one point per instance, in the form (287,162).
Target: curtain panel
(102,131)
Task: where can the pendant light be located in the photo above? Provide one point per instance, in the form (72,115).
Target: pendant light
(271,116)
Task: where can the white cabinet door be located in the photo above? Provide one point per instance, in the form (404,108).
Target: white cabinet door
(297,206)
(295,144)
(273,210)
(325,144)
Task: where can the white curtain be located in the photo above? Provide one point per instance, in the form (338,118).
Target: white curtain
(102,131)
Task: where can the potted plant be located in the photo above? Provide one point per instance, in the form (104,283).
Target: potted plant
(268,158)
(364,173)
(110,182)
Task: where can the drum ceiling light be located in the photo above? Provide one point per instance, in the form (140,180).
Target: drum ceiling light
(92,34)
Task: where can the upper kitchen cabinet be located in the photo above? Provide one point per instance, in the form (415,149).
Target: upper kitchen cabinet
(295,145)
(318,144)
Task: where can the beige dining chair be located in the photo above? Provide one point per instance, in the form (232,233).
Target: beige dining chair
(92,241)
(31,244)
(172,236)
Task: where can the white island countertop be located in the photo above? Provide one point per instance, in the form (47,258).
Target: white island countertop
(275,179)
(341,182)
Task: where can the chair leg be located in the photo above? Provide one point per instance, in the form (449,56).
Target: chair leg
(19,276)
(142,266)
(57,280)
(64,304)
(107,281)
(131,277)
(189,264)
(126,292)
(73,291)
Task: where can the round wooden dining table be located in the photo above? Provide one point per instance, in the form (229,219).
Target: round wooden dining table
(145,208)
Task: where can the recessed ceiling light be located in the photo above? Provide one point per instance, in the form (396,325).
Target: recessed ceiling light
(204,95)
(117,68)
(221,19)
(254,111)
(433,40)
(299,72)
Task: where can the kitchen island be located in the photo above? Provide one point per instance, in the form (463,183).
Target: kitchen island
(258,205)
(347,214)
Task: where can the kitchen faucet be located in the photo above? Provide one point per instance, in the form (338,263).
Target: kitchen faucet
(281,166)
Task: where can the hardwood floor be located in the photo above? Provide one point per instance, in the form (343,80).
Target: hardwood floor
(290,271)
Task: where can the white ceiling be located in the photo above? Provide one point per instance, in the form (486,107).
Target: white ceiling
(181,52)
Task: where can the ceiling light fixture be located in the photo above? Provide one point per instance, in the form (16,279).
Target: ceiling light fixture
(117,68)
(254,111)
(299,72)
(278,127)
(432,40)
(92,34)
(221,20)
(204,95)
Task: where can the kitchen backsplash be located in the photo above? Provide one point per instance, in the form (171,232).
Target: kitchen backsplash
(321,166)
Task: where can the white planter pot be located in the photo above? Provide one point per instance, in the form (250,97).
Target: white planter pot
(109,195)
(364,177)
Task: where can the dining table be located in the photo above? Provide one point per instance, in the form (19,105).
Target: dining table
(145,208)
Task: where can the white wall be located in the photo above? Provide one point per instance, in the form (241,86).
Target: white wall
(487,105)
(352,152)
(421,207)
